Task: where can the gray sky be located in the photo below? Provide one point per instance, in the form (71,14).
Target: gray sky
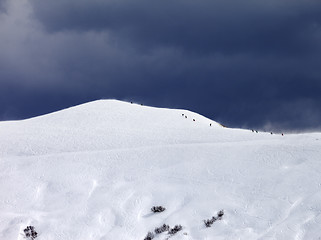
(251,63)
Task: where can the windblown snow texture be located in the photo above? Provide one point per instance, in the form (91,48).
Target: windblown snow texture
(94,171)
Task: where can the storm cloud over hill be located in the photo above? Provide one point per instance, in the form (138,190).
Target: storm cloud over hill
(246,64)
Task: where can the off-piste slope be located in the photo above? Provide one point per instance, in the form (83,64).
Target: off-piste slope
(94,171)
(102,125)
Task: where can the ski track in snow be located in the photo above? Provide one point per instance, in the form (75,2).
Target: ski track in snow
(94,171)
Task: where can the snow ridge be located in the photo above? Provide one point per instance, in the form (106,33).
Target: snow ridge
(95,170)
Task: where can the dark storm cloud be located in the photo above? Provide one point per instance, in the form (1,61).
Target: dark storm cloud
(245,63)
(3,6)
(204,27)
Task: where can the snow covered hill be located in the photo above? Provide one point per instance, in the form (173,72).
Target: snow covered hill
(95,170)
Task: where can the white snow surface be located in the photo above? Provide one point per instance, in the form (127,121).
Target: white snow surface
(95,170)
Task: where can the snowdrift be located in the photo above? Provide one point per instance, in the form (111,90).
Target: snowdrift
(95,170)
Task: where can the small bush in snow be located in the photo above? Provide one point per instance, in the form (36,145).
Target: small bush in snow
(158,209)
(220,214)
(149,236)
(176,229)
(161,229)
(30,232)
(209,222)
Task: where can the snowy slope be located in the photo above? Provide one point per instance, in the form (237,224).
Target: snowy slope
(94,171)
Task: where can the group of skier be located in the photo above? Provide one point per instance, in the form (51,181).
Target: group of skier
(271,132)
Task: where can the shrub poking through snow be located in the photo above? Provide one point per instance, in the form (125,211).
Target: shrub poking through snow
(220,214)
(209,222)
(149,236)
(158,209)
(175,229)
(162,229)
(30,232)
